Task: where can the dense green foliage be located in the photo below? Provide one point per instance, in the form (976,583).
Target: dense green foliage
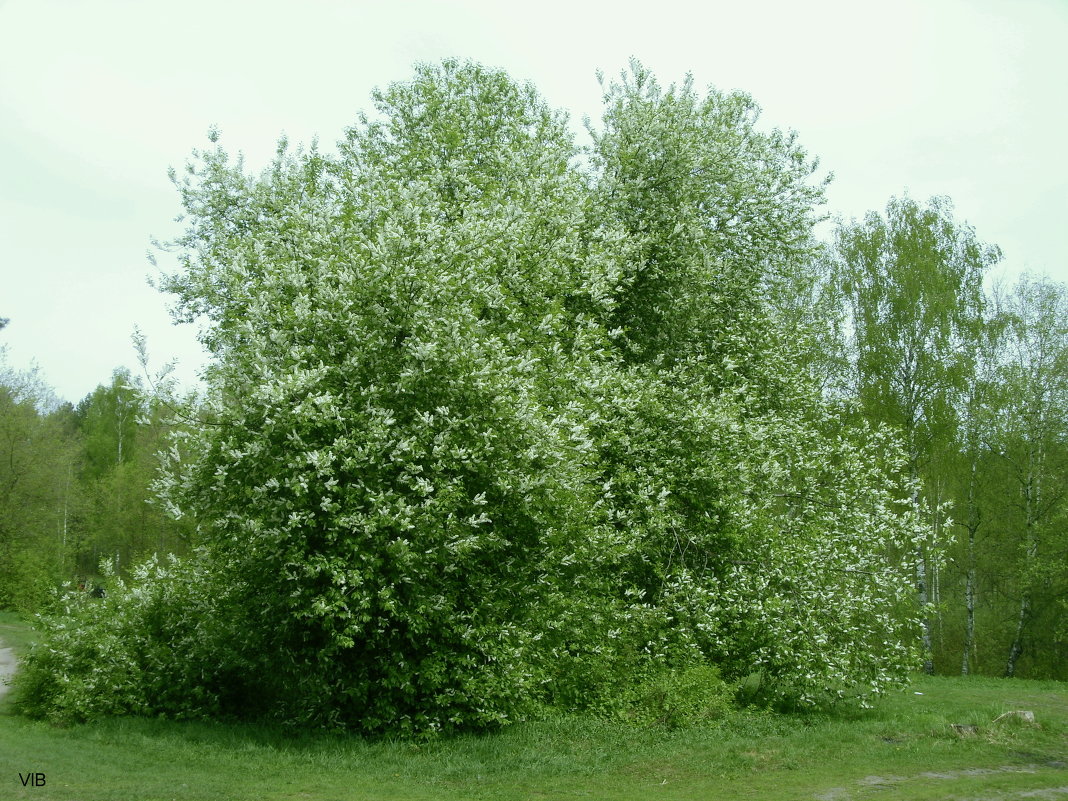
(75,484)
(913,290)
(35,462)
(1020,506)
(974,384)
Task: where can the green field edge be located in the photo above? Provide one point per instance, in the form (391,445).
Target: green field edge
(905,748)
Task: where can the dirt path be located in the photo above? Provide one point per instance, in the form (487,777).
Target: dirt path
(864,786)
(7,669)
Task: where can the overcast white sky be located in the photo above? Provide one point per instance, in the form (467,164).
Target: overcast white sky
(965,98)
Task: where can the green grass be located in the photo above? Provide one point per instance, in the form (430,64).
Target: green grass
(904,749)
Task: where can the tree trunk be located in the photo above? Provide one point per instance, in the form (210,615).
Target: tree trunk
(969,601)
(1031,491)
(921,581)
(936,576)
(921,591)
(969,585)
(1017,641)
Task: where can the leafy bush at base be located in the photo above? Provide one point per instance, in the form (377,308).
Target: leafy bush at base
(676,698)
(124,653)
(28,581)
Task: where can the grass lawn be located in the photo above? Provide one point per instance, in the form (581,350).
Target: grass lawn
(904,749)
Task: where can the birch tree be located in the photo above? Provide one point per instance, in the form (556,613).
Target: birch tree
(1033,382)
(37,456)
(978,416)
(913,281)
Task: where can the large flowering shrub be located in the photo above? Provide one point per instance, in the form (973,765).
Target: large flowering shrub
(488,430)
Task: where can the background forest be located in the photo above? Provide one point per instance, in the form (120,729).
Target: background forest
(625,397)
